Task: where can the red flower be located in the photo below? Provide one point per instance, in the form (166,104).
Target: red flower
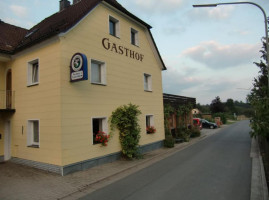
(102,138)
(151,129)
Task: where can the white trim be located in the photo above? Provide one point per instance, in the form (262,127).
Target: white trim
(151,119)
(102,71)
(30,72)
(136,32)
(149,82)
(104,125)
(117,26)
(30,133)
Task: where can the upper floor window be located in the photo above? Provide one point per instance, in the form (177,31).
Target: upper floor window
(114,27)
(147,82)
(134,37)
(33,72)
(98,72)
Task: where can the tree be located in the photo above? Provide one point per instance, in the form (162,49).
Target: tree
(216,105)
(259,100)
(230,105)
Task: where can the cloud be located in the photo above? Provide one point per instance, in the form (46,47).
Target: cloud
(212,14)
(240,33)
(178,79)
(205,84)
(158,7)
(206,90)
(176,30)
(219,56)
(20,11)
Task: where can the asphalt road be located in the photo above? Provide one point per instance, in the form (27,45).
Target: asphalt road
(216,168)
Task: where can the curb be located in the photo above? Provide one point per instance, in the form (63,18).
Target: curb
(259,190)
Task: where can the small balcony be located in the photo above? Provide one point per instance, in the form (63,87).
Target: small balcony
(7,101)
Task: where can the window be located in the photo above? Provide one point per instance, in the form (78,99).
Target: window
(33,133)
(149,122)
(98,72)
(114,27)
(147,82)
(98,125)
(33,73)
(134,37)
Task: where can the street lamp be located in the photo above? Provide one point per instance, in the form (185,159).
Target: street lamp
(265,22)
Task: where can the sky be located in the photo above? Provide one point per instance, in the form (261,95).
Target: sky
(208,52)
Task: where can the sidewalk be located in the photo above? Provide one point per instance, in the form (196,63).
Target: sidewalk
(259,189)
(21,182)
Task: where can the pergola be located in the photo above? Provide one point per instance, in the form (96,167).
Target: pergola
(176,100)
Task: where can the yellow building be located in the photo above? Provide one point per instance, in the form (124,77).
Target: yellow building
(61,80)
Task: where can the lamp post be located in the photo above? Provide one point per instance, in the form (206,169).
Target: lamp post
(265,22)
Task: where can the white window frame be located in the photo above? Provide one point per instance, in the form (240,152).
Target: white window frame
(31,72)
(102,72)
(30,133)
(151,120)
(147,78)
(117,26)
(136,38)
(104,127)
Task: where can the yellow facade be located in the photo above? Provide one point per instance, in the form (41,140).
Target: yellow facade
(40,102)
(65,109)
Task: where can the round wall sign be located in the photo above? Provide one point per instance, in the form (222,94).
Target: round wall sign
(77,62)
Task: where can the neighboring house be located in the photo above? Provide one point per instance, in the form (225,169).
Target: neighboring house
(61,80)
(195,111)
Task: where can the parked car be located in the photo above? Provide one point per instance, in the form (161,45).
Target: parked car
(207,124)
(197,123)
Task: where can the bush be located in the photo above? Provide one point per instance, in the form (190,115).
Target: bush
(125,119)
(195,132)
(222,117)
(167,132)
(231,117)
(169,141)
(183,133)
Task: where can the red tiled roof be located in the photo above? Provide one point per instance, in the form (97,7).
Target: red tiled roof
(10,36)
(14,39)
(64,20)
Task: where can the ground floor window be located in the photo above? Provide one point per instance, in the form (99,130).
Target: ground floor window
(98,125)
(149,123)
(33,135)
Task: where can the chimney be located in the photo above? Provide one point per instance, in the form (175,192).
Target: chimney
(64,4)
(76,1)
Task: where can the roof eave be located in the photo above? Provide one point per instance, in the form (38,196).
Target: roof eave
(164,67)
(4,57)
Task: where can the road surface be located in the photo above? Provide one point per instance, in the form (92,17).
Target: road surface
(217,168)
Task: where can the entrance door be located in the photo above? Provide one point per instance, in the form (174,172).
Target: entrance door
(9,89)
(7,150)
